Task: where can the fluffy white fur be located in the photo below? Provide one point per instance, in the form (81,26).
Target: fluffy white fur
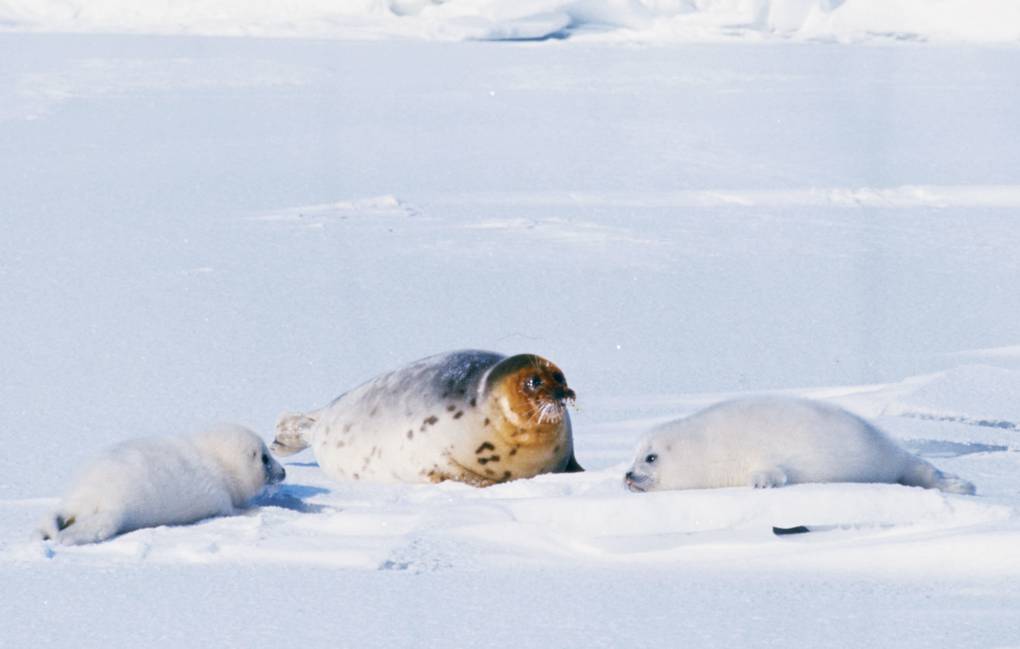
(773,441)
(163,481)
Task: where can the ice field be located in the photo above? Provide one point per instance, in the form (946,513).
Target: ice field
(201,229)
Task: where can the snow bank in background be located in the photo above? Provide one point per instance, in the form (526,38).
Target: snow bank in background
(907,196)
(637,20)
(991,400)
(981,396)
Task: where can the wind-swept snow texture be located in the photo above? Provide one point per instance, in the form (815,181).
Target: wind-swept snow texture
(626,20)
(198,230)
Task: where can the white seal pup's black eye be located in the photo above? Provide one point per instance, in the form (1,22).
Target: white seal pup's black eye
(651,458)
(265,459)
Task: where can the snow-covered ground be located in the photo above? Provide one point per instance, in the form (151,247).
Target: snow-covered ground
(201,229)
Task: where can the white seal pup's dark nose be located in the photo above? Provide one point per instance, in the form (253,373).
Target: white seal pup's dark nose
(634,482)
(276,474)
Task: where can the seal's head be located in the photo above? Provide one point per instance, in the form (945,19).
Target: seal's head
(531,395)
(643,474)
(244,458)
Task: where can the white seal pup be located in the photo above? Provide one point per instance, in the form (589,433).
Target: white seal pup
(471,416)
(163,481)
(773,441)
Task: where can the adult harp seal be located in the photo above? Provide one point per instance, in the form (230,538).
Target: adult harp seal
(470,416)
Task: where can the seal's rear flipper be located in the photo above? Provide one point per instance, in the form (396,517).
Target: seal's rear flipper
(572,466)
(53,525)
(290,434)
(952,484)
(69,529)
(923,474)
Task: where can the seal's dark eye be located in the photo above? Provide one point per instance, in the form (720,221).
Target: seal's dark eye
(533,382)
(651,458)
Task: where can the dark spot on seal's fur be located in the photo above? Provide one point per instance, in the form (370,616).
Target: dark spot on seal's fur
(485,446)
(507,475)
(451,408)
(410,434)
(430,420)
(347,428)
(473,402)
(490,472)
(513,451)
(356,476)
(556,449)
(486,460)
(458,414)
(486,422)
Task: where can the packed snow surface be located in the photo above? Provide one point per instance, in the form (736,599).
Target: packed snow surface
(200,229)
(627,20)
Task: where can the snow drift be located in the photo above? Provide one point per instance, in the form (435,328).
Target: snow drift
(629,20)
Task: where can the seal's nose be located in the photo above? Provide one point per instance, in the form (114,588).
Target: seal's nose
(635,482)
(277,474)
(563,392)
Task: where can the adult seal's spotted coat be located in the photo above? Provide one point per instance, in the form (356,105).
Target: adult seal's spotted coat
(471,416)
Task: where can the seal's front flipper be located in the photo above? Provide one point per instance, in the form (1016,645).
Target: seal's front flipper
(572,466)
(290,434)
(768,478)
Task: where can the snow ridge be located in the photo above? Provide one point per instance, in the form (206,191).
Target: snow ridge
(629,20)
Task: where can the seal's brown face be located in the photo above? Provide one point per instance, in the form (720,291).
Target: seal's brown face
(532,393)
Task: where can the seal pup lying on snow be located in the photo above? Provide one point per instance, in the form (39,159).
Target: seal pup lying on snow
(772,441)
(471,416)
(163,481)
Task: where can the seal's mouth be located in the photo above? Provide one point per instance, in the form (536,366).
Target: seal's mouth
(551,393)
(562,394)
(559,395)
(552,406)
(637,482)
